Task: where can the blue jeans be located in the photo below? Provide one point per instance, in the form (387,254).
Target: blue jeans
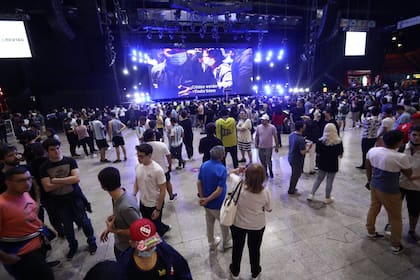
(320,178)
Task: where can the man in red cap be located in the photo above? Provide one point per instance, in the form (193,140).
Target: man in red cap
(150,257)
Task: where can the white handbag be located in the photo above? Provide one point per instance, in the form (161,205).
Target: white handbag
(229,206)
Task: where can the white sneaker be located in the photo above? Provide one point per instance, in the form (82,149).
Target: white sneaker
(216,242)
(329,200)
(226,246)
(311,197)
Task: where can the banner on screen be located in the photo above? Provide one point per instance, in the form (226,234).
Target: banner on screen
(182,73)
(14,40)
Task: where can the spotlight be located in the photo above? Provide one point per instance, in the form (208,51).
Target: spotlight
(125,71)
(135,67)
(394,38)
(258,78)
(287,67)
(399,45)
(267,89)
(306,89)
(257,58)
(135,87)
(271,64)
(255,88)
(128,95)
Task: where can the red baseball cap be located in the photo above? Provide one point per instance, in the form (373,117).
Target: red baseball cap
(143,231)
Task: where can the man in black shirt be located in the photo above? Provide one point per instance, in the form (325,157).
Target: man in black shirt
(209,141)
(60,178)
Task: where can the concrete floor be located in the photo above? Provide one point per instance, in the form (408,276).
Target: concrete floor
(301,241)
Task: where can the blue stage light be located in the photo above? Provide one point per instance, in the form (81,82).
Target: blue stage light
(255,88)
(271,64)
(125,71)
(267,89)
(134,52)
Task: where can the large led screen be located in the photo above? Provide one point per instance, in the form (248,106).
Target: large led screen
(184,73)
(355,44)
(14,40)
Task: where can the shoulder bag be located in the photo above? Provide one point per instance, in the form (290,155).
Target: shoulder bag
(229,206)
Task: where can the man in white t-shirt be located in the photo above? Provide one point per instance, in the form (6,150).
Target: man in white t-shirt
(162,156)
(383,168)
(151,182)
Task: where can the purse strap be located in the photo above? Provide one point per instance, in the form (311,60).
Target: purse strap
(238,190)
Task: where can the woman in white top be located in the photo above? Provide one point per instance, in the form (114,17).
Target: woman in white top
(244,136)
(253,202)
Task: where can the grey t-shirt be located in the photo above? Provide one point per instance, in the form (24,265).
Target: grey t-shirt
(126,211)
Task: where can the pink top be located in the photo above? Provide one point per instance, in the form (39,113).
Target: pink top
(19,217)
(81,131)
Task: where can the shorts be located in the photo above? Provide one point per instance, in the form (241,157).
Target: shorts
(117,141)
(102,144)
(168,176)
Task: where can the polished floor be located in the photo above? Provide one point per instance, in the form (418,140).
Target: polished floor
(301,241)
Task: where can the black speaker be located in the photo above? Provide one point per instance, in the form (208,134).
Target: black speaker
(328,21)
(57,21)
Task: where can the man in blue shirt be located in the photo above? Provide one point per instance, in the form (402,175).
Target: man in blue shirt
(296,157)
(211,186)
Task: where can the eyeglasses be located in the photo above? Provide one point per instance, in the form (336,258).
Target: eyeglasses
(24,179)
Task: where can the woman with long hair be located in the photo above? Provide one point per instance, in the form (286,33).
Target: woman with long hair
(253,202)
(329,148)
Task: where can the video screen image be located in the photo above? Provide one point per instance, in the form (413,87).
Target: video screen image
(201,72)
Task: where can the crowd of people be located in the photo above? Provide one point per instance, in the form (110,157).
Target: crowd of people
(390,137)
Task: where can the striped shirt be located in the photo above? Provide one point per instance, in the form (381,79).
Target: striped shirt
(370,127)
(176,135)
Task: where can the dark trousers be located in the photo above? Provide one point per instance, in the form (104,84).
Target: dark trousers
(146,212)
(233,153)
(189,147)
(30,266)
(279,128)
(367,144)
(72,208)
(117,253)
(176,152)
(297,169)
(53,217)
(85,143)
(254,244)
